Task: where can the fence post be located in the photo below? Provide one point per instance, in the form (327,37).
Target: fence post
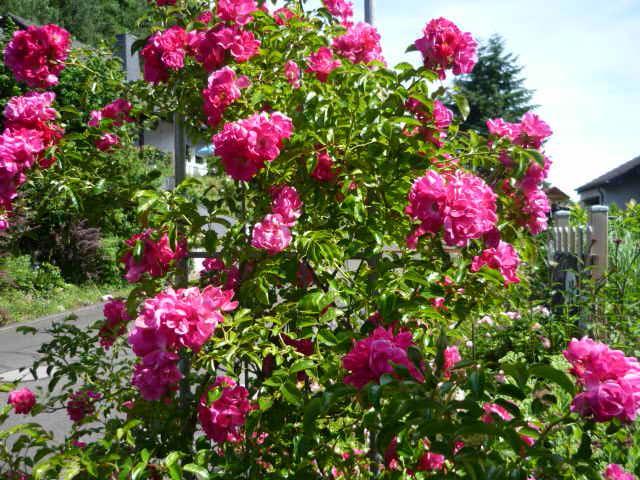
(599,222)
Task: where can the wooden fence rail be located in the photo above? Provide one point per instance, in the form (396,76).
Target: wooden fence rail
(588,243)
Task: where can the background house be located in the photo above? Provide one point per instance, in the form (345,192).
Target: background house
(616,186)
(163,136)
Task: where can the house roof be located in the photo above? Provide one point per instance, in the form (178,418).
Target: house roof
(556,195)
(611,175)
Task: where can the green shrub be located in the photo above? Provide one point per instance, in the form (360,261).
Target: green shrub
(23,274)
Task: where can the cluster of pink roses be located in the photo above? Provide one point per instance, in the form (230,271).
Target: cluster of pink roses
(185,318)
(461,204)
(273,232)
(530,132)
(166,50)
(29,131)
(36,55)
(154,258)
(444,46)
(23,400)
(223,419)
(610,381)
(360,44)
(435,123)
(115,324)
(342,9)
(118,113)
(222,90)
(246,145)
(374,356)
(503,258)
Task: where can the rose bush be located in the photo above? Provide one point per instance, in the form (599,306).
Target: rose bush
(357,244)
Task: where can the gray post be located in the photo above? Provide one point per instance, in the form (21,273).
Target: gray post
(179,174)
(179,150)
(599,222)
(368,11)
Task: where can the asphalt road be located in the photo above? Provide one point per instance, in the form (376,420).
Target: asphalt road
(18,351)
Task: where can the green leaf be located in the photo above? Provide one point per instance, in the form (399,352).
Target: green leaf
(138,470)
(291,394)
(70,470)
(302,364)
(463,105)
(171,462)
(554,375)
(200,472)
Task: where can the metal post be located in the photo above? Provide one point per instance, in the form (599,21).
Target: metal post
(179,174)
(179,150)
(368,11)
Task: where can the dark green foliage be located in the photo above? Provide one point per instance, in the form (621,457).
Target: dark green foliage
(89,21)
(495,88)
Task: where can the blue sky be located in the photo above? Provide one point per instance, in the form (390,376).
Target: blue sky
(580,56)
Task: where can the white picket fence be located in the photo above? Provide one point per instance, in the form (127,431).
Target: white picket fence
(589,243)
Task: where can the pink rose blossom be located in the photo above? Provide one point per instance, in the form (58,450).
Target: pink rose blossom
(491,409)
(286,203)
(222,90)
(222,420)
(22,400)
(616,472)
(155,258)
(504,258)
(205,47)
(246,145)
(451,358)
(180,318)
(31,116)
(360,44)
(30,110)
(81,404)
(156,375)
(218,274)
(242,44)
(535,210)
(461,203)
(532,131)
(283,15)
(302,345)
(118,111)
(271,234)
(444,46)
(163,52)
(322,63)
(324,170)
(342,9)
(430,462)
(373,356)
(107,142)
(292,73)
(610,381)
(236,11)
(115,325)
(36,55)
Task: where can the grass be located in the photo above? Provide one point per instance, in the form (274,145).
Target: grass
(19,306)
